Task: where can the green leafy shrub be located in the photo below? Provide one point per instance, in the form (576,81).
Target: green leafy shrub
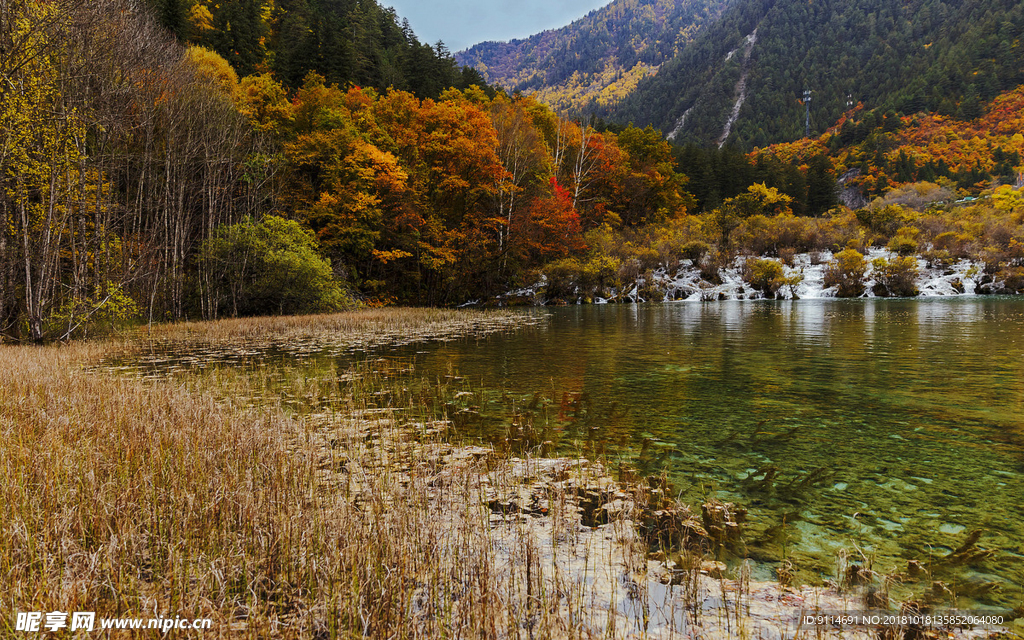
(767,276)
(562,279)
(268,267)
(896,277)
(599,273)
(694,250)
(104,310)
(846,271)
(938,258)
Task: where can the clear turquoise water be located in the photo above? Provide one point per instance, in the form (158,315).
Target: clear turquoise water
(896,426)
(893,427)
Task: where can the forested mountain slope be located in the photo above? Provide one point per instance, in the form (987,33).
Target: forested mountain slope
(901,55)
(346,41)
(599,58)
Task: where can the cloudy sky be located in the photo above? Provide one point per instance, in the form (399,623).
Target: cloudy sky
(463,23)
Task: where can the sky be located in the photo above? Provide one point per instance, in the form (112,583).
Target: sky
(463,23)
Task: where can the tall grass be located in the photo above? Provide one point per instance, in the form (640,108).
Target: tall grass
(365,327)
(143,498)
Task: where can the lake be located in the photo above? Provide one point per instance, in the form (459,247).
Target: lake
(868,431)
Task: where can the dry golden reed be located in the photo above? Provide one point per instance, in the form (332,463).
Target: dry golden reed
(145,498)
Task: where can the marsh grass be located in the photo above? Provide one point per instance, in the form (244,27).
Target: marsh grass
(139,498)
(206,495)
(364,327)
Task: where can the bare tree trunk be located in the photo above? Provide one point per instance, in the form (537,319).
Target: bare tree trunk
(161,171)
(584,163)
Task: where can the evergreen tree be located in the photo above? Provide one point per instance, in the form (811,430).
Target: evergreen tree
(821,186)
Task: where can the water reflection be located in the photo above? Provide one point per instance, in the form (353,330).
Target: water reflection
(890,426)
(894,426)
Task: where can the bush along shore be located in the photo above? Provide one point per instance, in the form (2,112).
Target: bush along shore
(876,273)
(914,241)
(332,502)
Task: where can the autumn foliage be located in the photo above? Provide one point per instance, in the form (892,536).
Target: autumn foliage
(125,157)
(883,151)
(437,201)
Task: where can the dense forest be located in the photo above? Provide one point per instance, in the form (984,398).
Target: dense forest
(155,173)
(597,59)
(904,56)
(345,41)
(143,177)
(689,68)
(871,153)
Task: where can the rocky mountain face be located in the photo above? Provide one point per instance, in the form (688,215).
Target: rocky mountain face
(599,59)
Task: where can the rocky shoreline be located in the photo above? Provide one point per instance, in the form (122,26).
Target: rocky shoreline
(803,276)
(678,587)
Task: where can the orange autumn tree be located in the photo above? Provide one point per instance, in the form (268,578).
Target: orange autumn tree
(347,190)
(449,148)
(891,151)
(398,190)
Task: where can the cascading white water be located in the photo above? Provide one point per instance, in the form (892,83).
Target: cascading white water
(741,87)
(686,282)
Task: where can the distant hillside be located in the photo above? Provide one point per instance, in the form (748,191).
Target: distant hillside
(741,78)
(598,59)
(876,154)
(719,72)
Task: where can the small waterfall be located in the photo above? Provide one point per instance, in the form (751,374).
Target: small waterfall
(679,125)
(684,282)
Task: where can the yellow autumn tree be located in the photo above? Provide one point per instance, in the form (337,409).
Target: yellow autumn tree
(40,162)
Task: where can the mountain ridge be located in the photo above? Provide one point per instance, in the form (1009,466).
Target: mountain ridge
(598,58)
(903,56)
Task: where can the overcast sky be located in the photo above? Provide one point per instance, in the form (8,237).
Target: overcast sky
(463,23)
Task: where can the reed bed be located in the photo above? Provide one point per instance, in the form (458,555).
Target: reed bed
(202,495)
(141,498)
(365,327)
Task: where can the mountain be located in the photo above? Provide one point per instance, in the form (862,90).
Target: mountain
(735,71)
(752,66)
(598,59)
